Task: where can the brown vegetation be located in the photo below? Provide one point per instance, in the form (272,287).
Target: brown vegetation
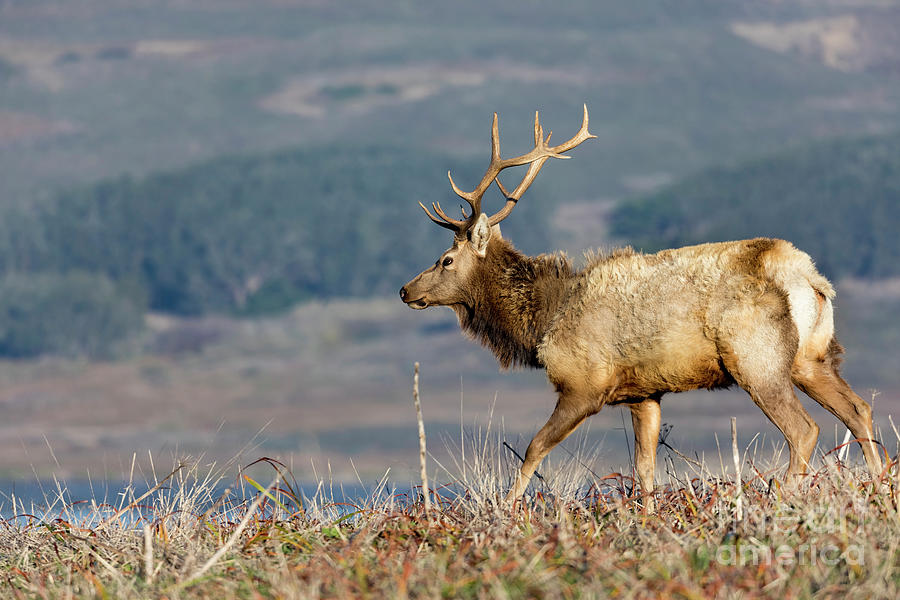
(582,535)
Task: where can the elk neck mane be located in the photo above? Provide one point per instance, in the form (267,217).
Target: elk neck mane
(513,300)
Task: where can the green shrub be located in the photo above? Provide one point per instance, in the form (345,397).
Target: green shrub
(76,314)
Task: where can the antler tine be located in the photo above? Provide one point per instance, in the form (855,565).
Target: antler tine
(440,212)
(474,197)
(445,225)
(535,167)
(494,168)
(467,196)
(538,140)
(582,135)
(535,160)
(511,199)
(495,140)
(530,175)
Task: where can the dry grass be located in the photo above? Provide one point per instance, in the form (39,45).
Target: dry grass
(577,534)
(331,381)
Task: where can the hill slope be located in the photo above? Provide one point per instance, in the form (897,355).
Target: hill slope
(259,233)
(110,87)
(254,234)
(839,201)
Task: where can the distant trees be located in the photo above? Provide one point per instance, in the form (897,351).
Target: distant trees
(72,314)
(7,70)
(838,201)
(251,235)
(234,235)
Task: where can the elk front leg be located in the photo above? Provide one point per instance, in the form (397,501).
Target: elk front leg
(567,416)
(645,419)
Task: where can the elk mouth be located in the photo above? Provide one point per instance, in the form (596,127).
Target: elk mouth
(418,304)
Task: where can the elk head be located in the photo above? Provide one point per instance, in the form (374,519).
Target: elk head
(447,283)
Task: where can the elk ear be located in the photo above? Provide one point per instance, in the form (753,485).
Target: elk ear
(480,235)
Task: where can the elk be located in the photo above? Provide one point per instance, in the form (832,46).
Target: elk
(629,327)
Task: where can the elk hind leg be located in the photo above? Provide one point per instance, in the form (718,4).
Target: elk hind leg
(758,354)
(820,380)
(645,419)
(783,408)
(569,413)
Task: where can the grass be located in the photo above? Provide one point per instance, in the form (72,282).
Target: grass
(202,533)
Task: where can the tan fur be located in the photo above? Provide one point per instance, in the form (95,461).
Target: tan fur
(656,323)
(630,327)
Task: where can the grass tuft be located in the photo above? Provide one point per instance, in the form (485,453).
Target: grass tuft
(577,533)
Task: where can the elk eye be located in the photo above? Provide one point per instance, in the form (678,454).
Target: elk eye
(447,262)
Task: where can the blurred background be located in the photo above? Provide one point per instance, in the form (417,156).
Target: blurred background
(207,208)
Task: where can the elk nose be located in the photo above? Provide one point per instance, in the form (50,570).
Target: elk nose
(403,293)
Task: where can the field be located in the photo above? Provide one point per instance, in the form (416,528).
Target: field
(331,381)
(221,532)
(207,209)
(134,99)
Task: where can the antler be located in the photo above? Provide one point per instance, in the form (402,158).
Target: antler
(535,159)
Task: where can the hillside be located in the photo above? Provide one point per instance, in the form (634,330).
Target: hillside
(176,174)
(375,103)
(839,201)
(259,233)
(97,89)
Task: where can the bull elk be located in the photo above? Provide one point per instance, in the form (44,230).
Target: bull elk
(628,327)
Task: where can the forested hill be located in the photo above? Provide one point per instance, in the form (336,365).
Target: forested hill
(839,201)
(250,235)
(259,233)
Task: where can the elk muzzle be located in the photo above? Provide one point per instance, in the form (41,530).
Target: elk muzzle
(417,302)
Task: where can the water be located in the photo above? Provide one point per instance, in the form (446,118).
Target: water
(85,500)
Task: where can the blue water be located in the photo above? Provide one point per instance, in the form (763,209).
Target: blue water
(46,500)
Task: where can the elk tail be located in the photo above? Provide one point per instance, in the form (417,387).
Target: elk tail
(821,285)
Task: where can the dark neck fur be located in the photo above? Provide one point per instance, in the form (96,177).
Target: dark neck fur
(513,300)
